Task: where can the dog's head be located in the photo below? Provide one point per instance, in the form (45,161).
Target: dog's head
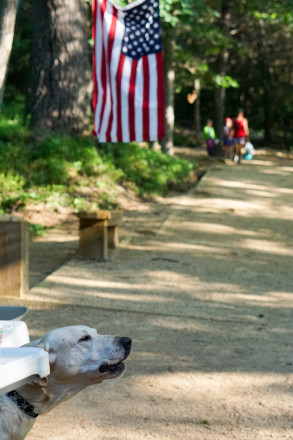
(79,353)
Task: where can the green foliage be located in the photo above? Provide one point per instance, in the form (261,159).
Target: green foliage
(121,3)
(174,12)
(181,139)
(62,171)
(11,191)
(36,229)
(150,172)
(257,37)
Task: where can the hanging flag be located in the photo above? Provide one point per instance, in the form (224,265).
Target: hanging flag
(128,96)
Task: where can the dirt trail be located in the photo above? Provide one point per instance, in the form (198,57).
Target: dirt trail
(203,285)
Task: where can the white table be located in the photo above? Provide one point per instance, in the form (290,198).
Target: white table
(15,333)
(21,365)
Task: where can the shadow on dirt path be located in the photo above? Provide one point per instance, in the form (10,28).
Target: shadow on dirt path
(203,285)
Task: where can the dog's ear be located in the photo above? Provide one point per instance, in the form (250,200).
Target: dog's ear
(52,353)
(52,356)
(45,345)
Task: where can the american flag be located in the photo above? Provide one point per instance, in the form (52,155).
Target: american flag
(128,96)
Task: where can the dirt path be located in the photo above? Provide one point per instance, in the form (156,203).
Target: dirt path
(203,285)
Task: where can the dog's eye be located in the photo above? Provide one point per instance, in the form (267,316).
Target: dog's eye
(85,338)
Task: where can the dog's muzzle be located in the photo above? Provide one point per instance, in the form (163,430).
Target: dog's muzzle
(119,367)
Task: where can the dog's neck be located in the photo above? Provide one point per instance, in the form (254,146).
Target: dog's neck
(42,400)
(35,395)
(45,398)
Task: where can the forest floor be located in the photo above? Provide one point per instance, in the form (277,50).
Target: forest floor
(202,282)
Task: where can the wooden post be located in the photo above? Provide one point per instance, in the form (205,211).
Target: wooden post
(113,237)
(98,231)
(14,238)
(113,234)
(93,234)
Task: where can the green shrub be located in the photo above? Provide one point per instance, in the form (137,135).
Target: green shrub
(185,140)
(50,171)
(62,171)
(11,190)
(150,171)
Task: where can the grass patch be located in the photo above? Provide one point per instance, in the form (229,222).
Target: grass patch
(149,172)
(77,172)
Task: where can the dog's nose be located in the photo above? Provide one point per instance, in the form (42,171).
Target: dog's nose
(126,342)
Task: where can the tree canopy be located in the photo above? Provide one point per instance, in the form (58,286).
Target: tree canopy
(239,51)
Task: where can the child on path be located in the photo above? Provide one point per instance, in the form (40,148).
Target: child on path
(240,132)
(227,138)
(209,136)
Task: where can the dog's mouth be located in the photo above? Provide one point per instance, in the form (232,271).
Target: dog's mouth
(113,369)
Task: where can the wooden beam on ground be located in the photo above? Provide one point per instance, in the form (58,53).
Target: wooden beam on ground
(98,231)
(14,244)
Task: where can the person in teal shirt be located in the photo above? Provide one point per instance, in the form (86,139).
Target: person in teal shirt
(209,136)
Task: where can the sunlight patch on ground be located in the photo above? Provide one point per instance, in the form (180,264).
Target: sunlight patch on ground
(290,169)
(244,298)
(58,238)
(193,382)
(216,228)
(267,299)
(195,327)
(180,247)
(262,163)
(104,299)
(219,203)
(269,247)
(268,190)
(240,208)
(261,193)
(283,296)
(281,171)
(234,184)
(94,288)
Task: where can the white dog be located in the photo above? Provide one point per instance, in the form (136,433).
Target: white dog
(78,357)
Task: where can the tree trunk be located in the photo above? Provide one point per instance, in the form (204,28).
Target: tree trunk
(219,116)
(219,104)
(264,64)
(220,93)
(61,72)
(266,107)
(8,9)
(169,77)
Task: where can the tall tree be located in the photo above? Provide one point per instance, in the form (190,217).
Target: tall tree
(169,79)
(8,9)
(61,72)
(175,16)
(221,70)
(264,65)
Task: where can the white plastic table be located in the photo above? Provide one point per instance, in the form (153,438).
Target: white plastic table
(15,333)
(21,365)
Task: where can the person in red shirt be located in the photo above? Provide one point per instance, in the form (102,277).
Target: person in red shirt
(240,133)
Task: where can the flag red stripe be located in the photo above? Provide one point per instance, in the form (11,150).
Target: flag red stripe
(103,68)
(161,96)
(146,98)
(118,91)
(131,96)
(110,47)
(137,85)
(95,91)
